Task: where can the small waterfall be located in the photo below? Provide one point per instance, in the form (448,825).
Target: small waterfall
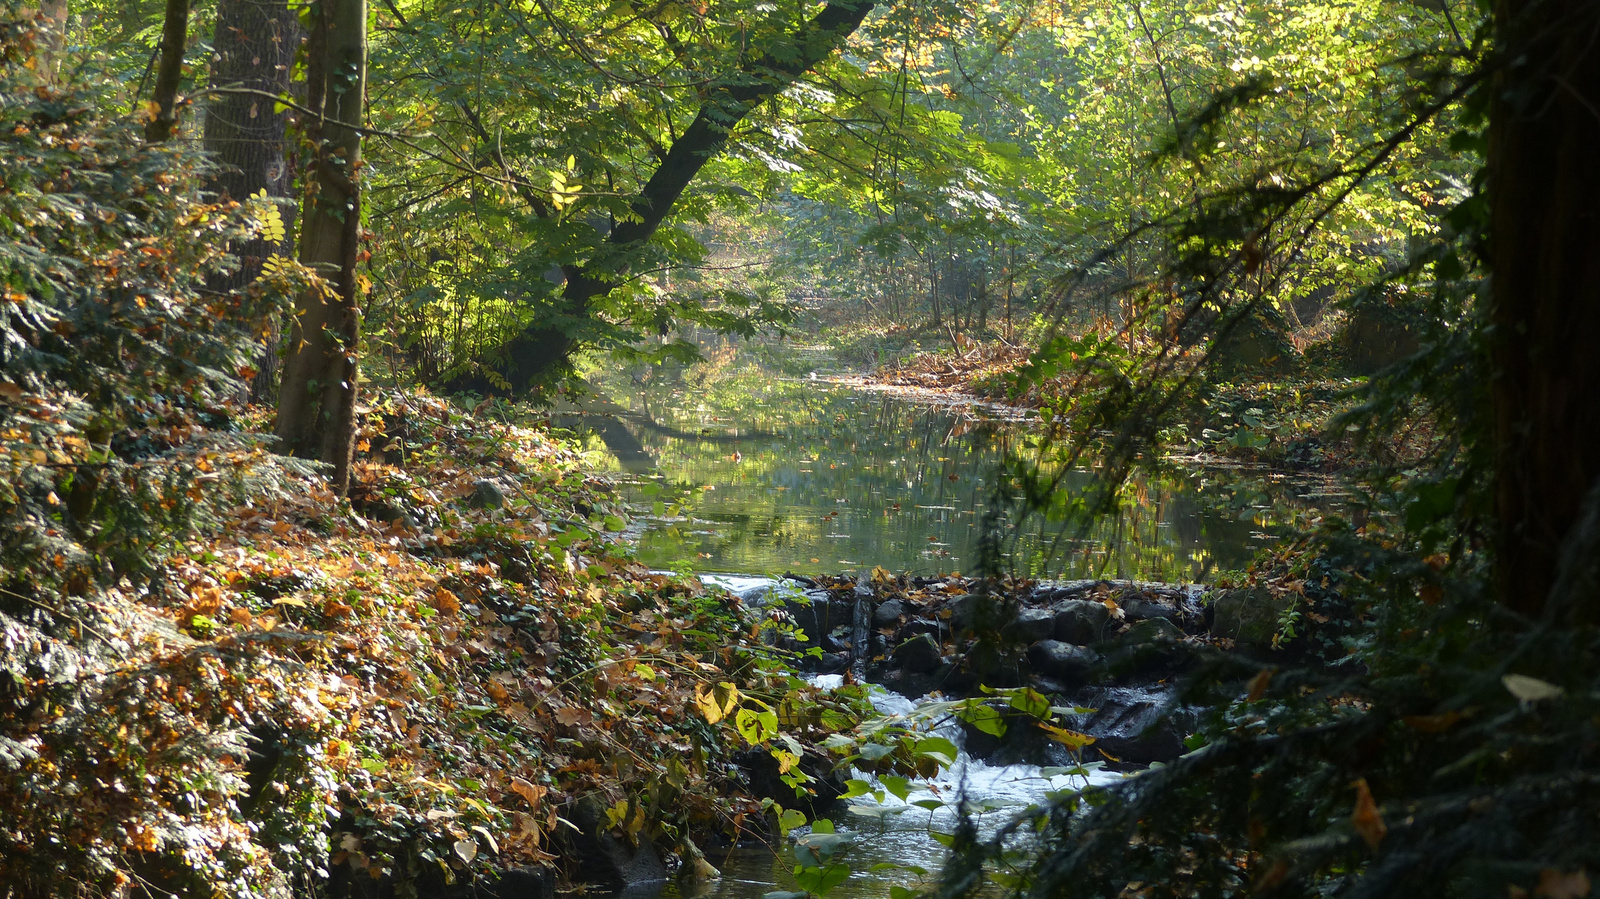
(861,628)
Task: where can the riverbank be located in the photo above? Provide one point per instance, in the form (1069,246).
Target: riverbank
(1287,421)
(461,672)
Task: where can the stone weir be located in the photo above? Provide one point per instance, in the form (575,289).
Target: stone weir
(1113,648)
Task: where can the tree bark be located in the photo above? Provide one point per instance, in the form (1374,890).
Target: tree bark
(254,48)
(316,404)
(53,38)
(169,73)
(1544,253)
(543,350)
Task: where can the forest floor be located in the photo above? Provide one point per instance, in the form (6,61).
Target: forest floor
(461,660)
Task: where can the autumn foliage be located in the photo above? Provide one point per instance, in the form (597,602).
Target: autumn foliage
(216,677)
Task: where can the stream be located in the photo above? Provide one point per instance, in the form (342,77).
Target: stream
(749,476)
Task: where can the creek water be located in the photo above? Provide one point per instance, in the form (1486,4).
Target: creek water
(764,475)
(892,841)
(755,474)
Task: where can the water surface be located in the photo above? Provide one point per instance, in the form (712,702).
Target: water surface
(765,475)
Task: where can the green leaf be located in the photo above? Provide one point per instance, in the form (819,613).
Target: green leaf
(1031,702)
(789,819)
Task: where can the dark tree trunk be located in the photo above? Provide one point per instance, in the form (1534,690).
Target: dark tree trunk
(542,351)
(1544,171)
(316,405)
(254,46)
(169,73)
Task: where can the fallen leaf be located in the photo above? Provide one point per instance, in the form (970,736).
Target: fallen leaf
(529,791)
(466,850)
(1258,684)
(1433,724)
(1366,819)
(1558,885)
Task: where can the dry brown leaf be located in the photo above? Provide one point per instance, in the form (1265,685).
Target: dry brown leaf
(534,793)
(1562,885)
(1258,684)
(1366,819)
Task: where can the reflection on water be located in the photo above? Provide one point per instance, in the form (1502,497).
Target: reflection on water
(762,475)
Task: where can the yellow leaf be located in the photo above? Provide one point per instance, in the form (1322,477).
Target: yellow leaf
(1068,738)
(717,702)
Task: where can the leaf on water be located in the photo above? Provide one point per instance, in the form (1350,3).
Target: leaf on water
(1365,818)
(1530,689)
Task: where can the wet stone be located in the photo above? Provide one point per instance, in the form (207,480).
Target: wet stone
(887,613)
(1082,622)
(1153,630)
(1143,608)
(1063,662)
(1031,626)
(919,655)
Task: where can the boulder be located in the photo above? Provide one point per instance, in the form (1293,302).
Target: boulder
(766,781)
(1153,630)
(513,883)
(918,655)
(888,613)
(487,493)
(1249,616)
(1143,608)
(817,615)
(1063,662)
(1030,626)
(1082,621)
(964,610)
(1137,725)
(607,858)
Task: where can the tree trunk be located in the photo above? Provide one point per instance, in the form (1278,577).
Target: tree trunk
(544,349)
(53,37)
(169,73)
(255,43)
(1544,253)
(316,405)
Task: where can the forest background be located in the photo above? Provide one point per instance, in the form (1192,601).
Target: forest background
(1143,201)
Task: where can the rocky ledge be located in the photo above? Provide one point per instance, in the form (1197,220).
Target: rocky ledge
(1114,648)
